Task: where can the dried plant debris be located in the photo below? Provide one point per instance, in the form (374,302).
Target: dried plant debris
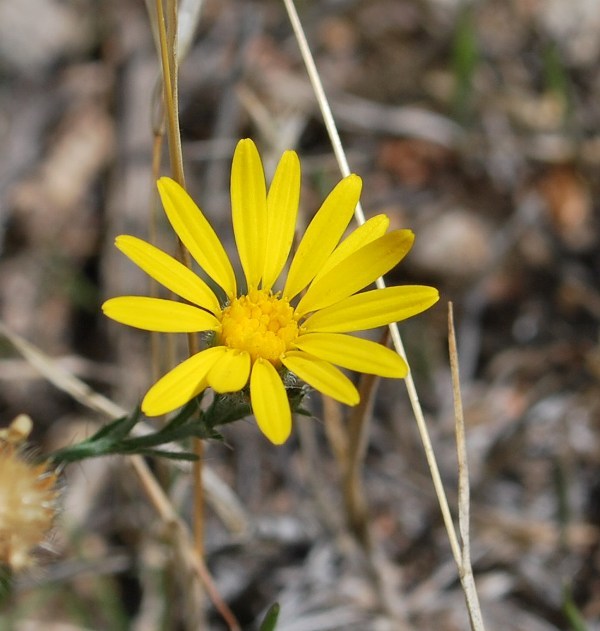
(28,498)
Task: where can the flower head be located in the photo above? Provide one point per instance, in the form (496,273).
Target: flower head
(28,498)
(262,332)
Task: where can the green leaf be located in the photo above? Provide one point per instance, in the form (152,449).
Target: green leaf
(83,450)
(6,584)
(184,415)
(227,408)
(571,611)
(170,455)
(104,442)
(270,620)
(116,429)
(466,58)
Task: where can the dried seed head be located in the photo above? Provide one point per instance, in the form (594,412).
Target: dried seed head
(18,431)
(28,501)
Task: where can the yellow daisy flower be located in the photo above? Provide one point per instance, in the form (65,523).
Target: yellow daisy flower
(260,333)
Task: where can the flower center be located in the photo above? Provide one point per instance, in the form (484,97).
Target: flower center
(259,323)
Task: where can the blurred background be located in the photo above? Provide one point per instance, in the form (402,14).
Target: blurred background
(475,124)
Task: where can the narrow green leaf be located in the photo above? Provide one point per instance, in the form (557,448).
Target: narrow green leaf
(572,612)
(170,455)
(184,415)
(6,583)
(270,620)
(83,450)
(114,428)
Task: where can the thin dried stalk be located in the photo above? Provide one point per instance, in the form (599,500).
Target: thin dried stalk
(355,500)
(158,134)
(358,433)
(466,570)
(169,73)
(223,500)
(360,218)
(336,432)
(181,538)
(168,54)
(159,500)
(396,339)
(358,440)
(188,17)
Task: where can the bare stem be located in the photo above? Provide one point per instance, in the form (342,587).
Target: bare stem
(158,137)
(466,575)
(169,74)
(168,53)
(167,513)
(81,392)
(358,431)
(340,155)
(396,339)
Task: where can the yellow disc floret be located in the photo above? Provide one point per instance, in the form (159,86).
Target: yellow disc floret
(260,323)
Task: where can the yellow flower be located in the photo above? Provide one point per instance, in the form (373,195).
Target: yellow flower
(260,332)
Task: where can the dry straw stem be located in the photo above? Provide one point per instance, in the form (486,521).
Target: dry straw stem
(155,338)
(188,16)
(158,135)
(358,432)
(396,339)
(182,539)
(358,440)
(336,432)
(354,494)
(167,36)
(223,500)
(466,571)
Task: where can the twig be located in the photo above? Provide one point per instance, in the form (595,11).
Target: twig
(158,134)
(358,432)
(168,53)
(223,500)
(181,538)
(336,432)
(159,500)
(360,218)
(169,74)
(358,440)
(466,569)
(395,333)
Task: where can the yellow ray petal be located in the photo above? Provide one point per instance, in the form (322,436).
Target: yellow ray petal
(196,234)
(357,270)
(156,314)
(231,372)
(181,384)
(374,308)
(249,209)
(168,272)
(369,231)
(323,234)
(269,402)
(282,210)
(354,353)
(322,376)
